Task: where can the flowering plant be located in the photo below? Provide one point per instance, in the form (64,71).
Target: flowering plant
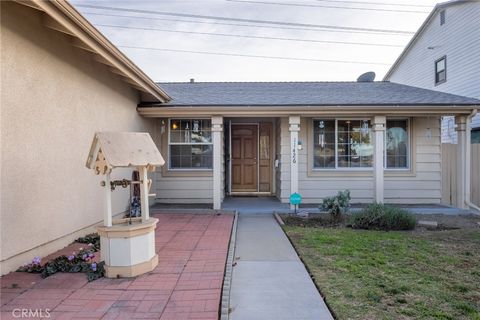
(76,262)
(81,261)
(92,240)
(34,267)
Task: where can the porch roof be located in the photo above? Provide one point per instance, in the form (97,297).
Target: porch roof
(380,93)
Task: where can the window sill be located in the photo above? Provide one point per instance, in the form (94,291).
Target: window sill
(186,172)
(359,173)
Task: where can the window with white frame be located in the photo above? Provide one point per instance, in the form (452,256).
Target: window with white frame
(397,144)
(441,70)
(348,143)
(190,144)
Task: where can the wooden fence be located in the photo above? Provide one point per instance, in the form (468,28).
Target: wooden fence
(449,174)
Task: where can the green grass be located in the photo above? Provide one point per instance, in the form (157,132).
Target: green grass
(394,275)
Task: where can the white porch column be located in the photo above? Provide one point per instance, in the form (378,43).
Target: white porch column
(461,122)
(378,125)
(107,213)
(294,128)
(144,193)
(217,128)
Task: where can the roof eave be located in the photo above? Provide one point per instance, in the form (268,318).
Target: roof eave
(63,17)
(312,110)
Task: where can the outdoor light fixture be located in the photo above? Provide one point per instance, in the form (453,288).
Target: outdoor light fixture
(162,127)
(428,133)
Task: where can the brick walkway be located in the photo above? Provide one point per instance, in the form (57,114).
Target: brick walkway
(186,284)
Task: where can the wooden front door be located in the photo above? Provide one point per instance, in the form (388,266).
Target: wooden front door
(244,157)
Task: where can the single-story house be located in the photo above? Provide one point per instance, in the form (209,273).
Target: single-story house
(380,140)
(62,81)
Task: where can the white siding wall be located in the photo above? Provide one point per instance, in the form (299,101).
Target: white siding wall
(459,40)
(184,187)
(421,186)
(425,185)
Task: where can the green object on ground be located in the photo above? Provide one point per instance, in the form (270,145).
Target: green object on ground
(367,274)
(378,216)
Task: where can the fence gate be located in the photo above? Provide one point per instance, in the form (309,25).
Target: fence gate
(449,174)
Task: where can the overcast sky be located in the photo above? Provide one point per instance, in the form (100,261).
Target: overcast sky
(165,66)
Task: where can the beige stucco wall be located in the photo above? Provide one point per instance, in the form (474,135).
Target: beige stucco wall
(53,98)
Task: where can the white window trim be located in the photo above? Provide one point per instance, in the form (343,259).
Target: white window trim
(444,58)
(187,144)
(363,169)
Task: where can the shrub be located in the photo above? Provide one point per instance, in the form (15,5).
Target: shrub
(378,216)
(92,239)
(337,205)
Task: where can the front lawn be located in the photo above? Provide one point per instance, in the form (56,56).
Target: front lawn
(394,275)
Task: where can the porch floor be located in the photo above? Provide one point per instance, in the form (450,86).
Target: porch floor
(268,205)
(255,205)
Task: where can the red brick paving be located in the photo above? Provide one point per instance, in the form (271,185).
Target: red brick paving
(186,284)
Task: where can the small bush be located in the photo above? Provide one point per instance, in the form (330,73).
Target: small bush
(92,239)
(337,205)
(378,216)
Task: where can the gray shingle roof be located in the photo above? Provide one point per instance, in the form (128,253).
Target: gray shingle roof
(305,93)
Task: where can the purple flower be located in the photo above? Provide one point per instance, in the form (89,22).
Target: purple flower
(94,267)
(70,258)
(36,260)
(91,255)
(84,256)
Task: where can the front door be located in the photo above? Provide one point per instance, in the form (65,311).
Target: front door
(244,157)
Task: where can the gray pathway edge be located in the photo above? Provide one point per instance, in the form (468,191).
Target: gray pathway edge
(269,280)
(227,278)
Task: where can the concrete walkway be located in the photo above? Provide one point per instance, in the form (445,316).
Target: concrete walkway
(269,281)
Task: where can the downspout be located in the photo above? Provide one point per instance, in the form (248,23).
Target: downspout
(468,160)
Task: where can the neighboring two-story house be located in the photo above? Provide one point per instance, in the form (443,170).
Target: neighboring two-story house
(444,55)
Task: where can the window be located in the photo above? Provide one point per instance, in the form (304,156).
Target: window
(342,144)
(441,70)
(348,143)
(475,135)
(396,144)
(190,144)
(442,17)
(354,144)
